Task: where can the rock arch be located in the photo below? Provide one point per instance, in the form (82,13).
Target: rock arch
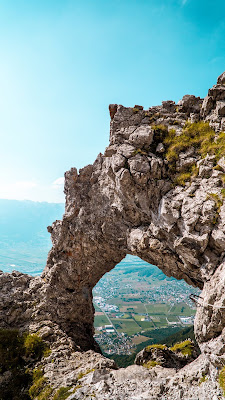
(128,203)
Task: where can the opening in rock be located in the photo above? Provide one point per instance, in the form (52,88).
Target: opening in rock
(137,305)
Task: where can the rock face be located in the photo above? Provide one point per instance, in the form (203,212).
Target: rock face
(174,357)
(131,201)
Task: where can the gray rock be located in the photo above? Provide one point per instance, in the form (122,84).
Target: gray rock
(221,79)
(220,108)
(126,202)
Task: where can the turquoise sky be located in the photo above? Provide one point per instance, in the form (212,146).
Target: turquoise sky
(64,61)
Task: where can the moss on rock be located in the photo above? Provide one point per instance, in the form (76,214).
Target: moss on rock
(151,364)
(18,353)
(222,379)
(186,348)
(62,393)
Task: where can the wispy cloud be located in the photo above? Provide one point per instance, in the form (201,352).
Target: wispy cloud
(58,183)
(31,190)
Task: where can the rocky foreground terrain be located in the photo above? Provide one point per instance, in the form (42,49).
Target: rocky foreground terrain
(158,193)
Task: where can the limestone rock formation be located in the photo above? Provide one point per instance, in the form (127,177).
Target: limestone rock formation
(157,192)
(174,357)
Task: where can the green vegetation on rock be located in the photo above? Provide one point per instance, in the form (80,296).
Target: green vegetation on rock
(81,374)
(185,348)
(62,393)
(17,352)
(11,349)
(156,346)
(198,135)
(160,135)
(222,379)
(218,200)
(203,379)
(151,364)
(39,390)
(34,346)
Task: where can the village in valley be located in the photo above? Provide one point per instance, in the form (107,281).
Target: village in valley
(136,300)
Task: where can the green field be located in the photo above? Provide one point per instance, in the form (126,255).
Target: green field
(145,325)
(134,312)
(159,309)
(182,309)
(101,320)
(128,326)
(160,321)
(138,317)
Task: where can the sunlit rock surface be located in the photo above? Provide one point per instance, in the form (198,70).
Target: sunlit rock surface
(127,202)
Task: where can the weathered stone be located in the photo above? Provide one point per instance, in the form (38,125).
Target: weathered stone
(190,104)
(160,148)
(169,105)
(112,110)
(167,357)
(220,108)
(127,203)
(221,79)
(142,136)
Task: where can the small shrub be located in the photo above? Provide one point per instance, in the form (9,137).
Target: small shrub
(222,379)
(35,347)
(155,346)
(217,200)
(81,374)
(160,134)
(62,393)
(182,178)
(45,394)
(185,348)
(39,389)
(37,374)
(151,364)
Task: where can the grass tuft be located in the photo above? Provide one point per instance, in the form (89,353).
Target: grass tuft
(198,135)
(81,374)
(62,393)
(203,379)
(185,348)
(222,379)
(156,346)
(151,364)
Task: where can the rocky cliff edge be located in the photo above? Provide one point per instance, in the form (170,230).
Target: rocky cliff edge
(158,193)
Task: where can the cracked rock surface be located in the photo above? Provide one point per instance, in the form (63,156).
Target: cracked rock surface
(127,203)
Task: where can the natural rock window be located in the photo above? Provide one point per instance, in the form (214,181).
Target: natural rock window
(151,196)
(137,305)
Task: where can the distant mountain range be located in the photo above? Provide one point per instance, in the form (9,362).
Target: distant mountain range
(24,240)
